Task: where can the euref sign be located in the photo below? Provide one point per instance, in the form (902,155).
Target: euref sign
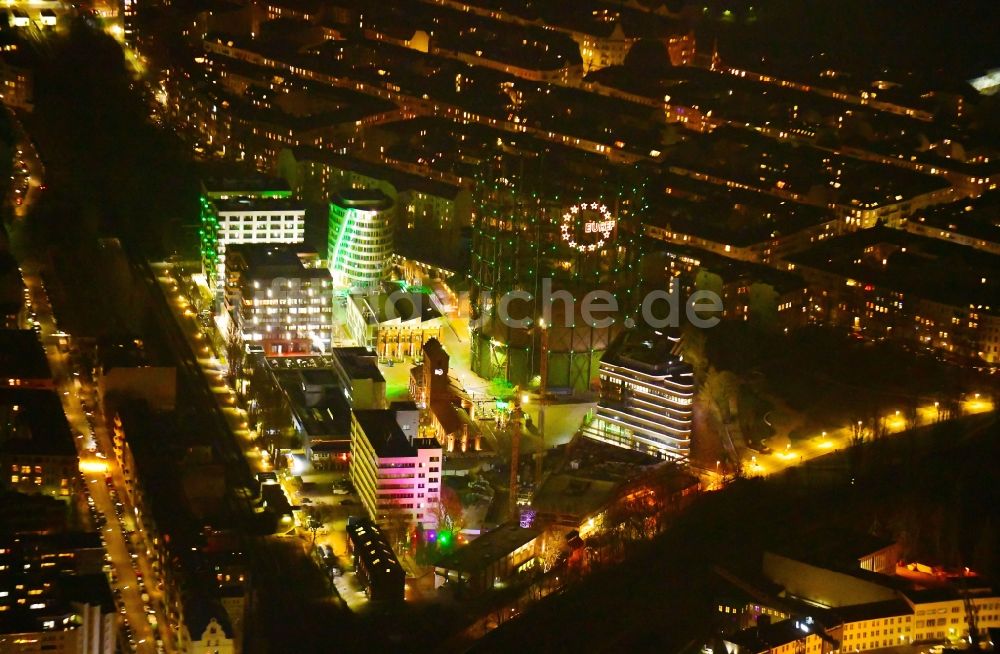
(591,223)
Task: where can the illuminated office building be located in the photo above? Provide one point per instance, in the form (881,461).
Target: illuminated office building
(647,393)
(360,238)
(276,301)
(238,211)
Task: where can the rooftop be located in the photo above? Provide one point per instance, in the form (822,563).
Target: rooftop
(400,179)
(362,200)
(490,547)
(835,547)
(928,268)
(259,186)
(270,261)
(22,355)
(651,353)
(243,204)
(770,636)
(327,414)
(386,436)
(358,363)
(976,218)
(370,546)
(33,422)
(397,306)
(591,479)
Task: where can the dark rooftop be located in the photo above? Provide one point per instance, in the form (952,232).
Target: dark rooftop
(766,637)
(362,199)
(487,548)
(258,186)
(370,546)
(385,434)
(835,547)
(33,422)
(405,307)
(259,204)
(647,352)
(22,356)
(928,268)
(358,363)
(271,260)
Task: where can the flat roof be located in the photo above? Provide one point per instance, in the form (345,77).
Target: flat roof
(34,423)
(242,204)
(647,352)
(318,376)
(249,186)
(22,355)
(386,436)
(362,199)
(591,479)
(328,416)
(271,260)
(488,548)
(358,363)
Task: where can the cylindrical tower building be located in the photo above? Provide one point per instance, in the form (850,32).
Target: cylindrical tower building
(360,238)
(551,227)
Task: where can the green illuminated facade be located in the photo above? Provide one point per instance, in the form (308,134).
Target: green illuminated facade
(215,190)
(521,238)
(359,246)
(208,235)
(256,210)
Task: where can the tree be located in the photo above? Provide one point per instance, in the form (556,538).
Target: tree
(553,546)
(693,349)
(706,280)
(717,392)
(449,511)
(234,351)
(396,527)
(762,301)
(501,389)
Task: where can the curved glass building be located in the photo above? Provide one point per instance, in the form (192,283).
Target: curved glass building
(360,238)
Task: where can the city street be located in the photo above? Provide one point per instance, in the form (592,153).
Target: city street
(802,450)
(92,440)
(210,367)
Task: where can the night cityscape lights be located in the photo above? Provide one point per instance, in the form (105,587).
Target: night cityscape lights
(499,326)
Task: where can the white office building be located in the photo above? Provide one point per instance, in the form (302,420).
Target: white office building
(647,393)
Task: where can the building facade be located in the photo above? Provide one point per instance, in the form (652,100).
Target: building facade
(276,301)
(393,325)
(397,475)
(647,393)
(360,238)
(235,212)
